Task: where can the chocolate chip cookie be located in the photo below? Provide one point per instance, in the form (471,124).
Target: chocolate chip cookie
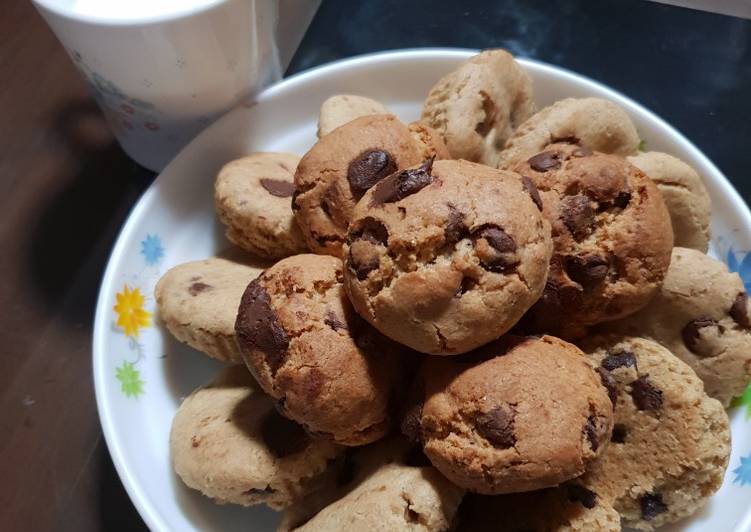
(612,237)
(328,370)
(198,300)
(670,442)
(385,490)
(340,168)
(701,314)
(477,106)
(685,197)
(517,415)
(228,442)
(597,124)
(253,197)
(447,256)
(342,108)
(567,508)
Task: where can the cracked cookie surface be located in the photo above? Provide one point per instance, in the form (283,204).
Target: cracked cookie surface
(670,442)
(228,442)
(252,196)
(340,168)
(503,419)
(612,238)
(198,301)
(685,196)
(477,106)
(597,124)
(448,257)
(701,314)
(308,349)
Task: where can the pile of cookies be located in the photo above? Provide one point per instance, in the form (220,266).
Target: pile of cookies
(493,318)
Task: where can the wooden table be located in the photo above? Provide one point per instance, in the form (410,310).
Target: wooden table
(66,188)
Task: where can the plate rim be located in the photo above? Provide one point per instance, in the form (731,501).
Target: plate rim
(146,508)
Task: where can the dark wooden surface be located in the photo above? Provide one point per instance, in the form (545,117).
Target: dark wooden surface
(66,188)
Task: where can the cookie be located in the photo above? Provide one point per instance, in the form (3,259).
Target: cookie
(340,168)
(197,301)
(253,198)
(567,508)
(670,442)
(386,491)
(477,106)
(228,442)
(612,237)
(342,108)
(429,141)
(448,257)
(685,197)
(521,414)
(327,369)
(701,315)
(597,124)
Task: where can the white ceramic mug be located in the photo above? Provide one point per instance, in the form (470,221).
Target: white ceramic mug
(162,70)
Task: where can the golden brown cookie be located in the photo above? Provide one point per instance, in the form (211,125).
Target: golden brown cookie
(342,108)
(597,124)
(670,442)
(518,415)
(685,196)
(340,168)
(448,257)
(612,237)
(327,369)
(477,106)
(701,315)
(253,199)
(228,442)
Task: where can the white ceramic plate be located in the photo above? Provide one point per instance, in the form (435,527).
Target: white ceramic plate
(142,374)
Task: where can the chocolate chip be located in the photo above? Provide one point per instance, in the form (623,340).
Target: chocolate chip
(278,188)
(645,395)
(363,267)
(282,436)
(455,229)
(367,169)
(489,109)
(590,430)
(195,441)
(258,329)
(739,310)
(197,288)
(497,426)
(531,189)
(333,321)
(494,254)
(651,506)
(577,215)
(609,383)
(295,206)
(582,152)
(580,494)
(547,160)
(411,421)
(621,359)
(619,433)
(587,270)
(398,186)
(467,284)
(691,331)
(622,199)
(259,492)
(371,230)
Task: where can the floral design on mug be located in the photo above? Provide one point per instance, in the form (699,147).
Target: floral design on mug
(122,112)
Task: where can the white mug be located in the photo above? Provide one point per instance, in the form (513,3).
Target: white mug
(162,70)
